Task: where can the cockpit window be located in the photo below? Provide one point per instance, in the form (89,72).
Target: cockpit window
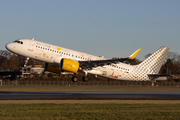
(18,41)
(15,41)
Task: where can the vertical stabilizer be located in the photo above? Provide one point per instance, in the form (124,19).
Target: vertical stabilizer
(153,63)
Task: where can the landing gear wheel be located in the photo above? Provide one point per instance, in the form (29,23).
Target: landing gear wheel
(85,78)
(74,79)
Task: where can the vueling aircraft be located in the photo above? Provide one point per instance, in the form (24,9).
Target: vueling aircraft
(59,59)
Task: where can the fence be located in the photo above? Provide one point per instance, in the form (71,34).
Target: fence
(89,83)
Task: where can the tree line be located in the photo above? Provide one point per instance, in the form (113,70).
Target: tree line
(12,61)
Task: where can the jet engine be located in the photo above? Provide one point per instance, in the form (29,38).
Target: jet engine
(64,65)
(53,68)
(69,65)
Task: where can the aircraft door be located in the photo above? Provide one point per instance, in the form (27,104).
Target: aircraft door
(31,45)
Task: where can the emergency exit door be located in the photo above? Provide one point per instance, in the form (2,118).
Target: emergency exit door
(31,45)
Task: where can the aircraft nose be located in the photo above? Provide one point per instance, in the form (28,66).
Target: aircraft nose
(9,46)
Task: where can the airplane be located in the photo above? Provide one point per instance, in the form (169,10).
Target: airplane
(60,59)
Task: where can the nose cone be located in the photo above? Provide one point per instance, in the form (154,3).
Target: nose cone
(9,46)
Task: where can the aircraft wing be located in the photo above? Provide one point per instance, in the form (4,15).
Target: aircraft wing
(96,63)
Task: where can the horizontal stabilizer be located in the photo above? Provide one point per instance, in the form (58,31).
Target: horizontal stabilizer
(154,76)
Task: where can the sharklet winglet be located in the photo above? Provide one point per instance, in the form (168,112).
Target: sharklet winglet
(134,54)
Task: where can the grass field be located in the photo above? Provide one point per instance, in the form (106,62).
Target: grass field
(78,111)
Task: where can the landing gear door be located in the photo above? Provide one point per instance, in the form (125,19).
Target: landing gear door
(31,45)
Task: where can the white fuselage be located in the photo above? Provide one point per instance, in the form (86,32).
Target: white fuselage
(53,54)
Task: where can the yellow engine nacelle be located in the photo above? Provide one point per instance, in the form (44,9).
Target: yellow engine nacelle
(69,65)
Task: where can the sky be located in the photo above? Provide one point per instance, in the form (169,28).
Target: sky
(110,28)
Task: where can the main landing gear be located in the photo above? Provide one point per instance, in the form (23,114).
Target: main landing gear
(85,78)
(75,79)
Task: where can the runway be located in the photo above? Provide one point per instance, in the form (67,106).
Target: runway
(115,95)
